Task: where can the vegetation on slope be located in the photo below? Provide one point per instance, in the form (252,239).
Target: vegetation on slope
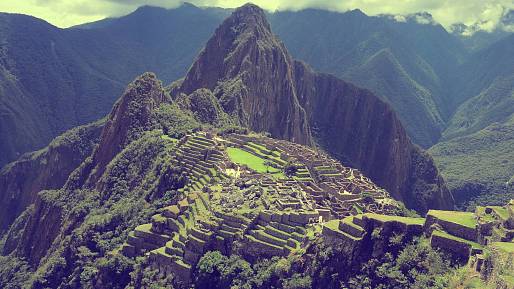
(478,167)
(322,266)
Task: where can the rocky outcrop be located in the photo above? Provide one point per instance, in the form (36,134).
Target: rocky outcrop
(204,106)
(255,79)
(129,118)
(45,169)
(41,228)
(251,73)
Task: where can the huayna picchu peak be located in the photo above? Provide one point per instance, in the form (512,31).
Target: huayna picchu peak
(251,73)
(252,171)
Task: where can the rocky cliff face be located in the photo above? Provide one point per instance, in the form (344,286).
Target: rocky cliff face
(130,116)
(362,131)
(254,77)
(357,127)
(251,74)
(45,169)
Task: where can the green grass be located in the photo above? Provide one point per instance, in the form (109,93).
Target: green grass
(501,211)
(144,228)
(504,246)
(168,138)
(452,237)
(332,224)
(405,220)
(253,162)
(466,219)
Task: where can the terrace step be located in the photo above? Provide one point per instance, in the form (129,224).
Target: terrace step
(347,226)
(277,233)
(231,229)
(226,234)
(267,247)
(333,231)
(265,237)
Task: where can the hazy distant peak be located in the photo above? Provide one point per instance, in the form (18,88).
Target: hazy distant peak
(504,24)
(420,18)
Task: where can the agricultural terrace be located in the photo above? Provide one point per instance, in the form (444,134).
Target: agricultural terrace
(507,247)
(466,219)
(387,218)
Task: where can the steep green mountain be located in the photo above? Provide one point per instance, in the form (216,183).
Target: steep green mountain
(414,67)
(46,169)
(475,155)
(483,67)
(485,88)
(88,64)
(37,104)
(478,166)
(259,84)
(385,76)
(493,104)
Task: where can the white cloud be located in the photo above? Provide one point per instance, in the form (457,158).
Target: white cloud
(400,18)
(486,14)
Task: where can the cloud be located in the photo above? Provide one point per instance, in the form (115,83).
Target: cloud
(400,18)
(481,14)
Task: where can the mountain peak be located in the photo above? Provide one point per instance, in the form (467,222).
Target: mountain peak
(244,31)
(130,116)
(250,72)
(249,9)
(247,16)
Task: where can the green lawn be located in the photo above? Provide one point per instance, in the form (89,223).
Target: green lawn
(332,224)
(452,237)
(167,137)
(501,211)
(504,246)
(255,163)
(466,219)
(405,220)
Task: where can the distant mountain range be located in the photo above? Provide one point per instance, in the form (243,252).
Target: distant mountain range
(439,85)
(475,38)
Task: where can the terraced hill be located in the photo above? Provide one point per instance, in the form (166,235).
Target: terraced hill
(251,195)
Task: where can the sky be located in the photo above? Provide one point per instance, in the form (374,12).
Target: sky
(486,14)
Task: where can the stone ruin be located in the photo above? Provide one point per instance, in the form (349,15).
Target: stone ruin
(266,215)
